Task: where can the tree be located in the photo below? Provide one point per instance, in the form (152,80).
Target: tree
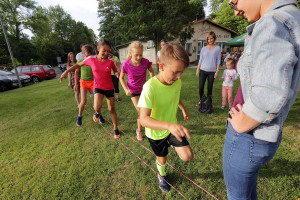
(15,15)
(225,16)
(148,20)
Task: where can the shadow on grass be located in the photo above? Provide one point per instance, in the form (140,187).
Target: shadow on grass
(197,129)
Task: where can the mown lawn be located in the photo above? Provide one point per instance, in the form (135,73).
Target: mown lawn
(44,155)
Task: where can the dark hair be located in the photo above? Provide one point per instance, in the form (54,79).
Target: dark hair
(163,40)
(81,45)
(88,48)
(103,42)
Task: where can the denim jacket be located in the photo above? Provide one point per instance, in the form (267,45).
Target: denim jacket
(270,69)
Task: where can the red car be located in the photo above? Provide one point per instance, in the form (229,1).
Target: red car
(37,72)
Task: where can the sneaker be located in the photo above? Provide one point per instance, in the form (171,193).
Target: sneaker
(118,99)
(79,120)
(139,135)
(222,107)
(101,120)
(117,134)
(96,117)
(91,95)
(229,108)
(163,185)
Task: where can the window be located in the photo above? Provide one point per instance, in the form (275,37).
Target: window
(46,67)
(188,48)
(25,69)
(36,69)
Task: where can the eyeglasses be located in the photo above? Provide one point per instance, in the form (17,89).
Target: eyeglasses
(233,4)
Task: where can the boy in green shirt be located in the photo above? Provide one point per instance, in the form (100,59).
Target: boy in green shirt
(159,103)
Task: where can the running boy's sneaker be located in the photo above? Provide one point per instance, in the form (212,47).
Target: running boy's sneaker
(117,134)
(101,120)
(79,120)
(163,185)
(96,117)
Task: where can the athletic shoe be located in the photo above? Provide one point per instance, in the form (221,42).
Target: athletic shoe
(222,107)
(101,120)
(229,108)
(118,99)
(163,185)
(96,117)
(91,95)
(117,134)
(79,120)
(139,135)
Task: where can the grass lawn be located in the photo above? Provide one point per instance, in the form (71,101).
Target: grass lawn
(44,155)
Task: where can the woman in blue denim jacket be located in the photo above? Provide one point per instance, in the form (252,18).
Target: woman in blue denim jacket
(270,77)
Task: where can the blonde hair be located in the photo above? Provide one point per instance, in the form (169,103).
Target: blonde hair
(134,45)
(211,33)
(69,60)
(173,51)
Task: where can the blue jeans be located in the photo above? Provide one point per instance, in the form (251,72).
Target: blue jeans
(243,156)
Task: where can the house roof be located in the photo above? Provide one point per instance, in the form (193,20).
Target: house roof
(122,45)
(214,23)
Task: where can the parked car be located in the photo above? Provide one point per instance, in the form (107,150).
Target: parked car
(37,72)
(62,66)
(13,80)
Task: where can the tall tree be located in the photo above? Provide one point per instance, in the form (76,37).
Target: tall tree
(225,16)
(148,20)
(15,15)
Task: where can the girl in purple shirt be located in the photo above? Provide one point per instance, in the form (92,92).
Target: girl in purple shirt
(136,69)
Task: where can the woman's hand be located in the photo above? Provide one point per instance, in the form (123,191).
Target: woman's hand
(216,74)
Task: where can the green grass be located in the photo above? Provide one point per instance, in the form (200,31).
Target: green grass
(44,155)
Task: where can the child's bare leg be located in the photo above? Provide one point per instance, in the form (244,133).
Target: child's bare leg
(98,101)
(135,101)
(77,97)
(83,100)
(111,107)
(185,153)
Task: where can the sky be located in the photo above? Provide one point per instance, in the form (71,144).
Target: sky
(81,10)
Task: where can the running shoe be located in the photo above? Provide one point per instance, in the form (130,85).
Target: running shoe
(91,95)
(223,107)
(139,135)
(117,134)
(163,185)
(79,120)
(96,117)
(101,120)
(118,99)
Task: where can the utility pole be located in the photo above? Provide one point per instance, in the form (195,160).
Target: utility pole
(10,52)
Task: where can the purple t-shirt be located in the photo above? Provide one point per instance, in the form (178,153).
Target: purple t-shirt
(136,75)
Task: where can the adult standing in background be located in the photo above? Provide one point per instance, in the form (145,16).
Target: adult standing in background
(209,64)
(71,76)
(162,43)
(80,55)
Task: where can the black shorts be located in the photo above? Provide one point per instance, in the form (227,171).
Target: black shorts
(107,93)
(160,147)
(135,95)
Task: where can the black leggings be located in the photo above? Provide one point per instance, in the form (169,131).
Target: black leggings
(202,78)
(115,81)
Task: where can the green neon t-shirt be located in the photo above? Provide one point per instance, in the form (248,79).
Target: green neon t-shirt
(163,101)
(86,72)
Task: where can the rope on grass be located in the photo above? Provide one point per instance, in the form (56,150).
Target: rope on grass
(167,162)
(136,156)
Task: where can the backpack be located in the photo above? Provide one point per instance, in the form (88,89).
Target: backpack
(206,105)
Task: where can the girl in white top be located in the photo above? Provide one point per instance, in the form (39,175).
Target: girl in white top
(229,75)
